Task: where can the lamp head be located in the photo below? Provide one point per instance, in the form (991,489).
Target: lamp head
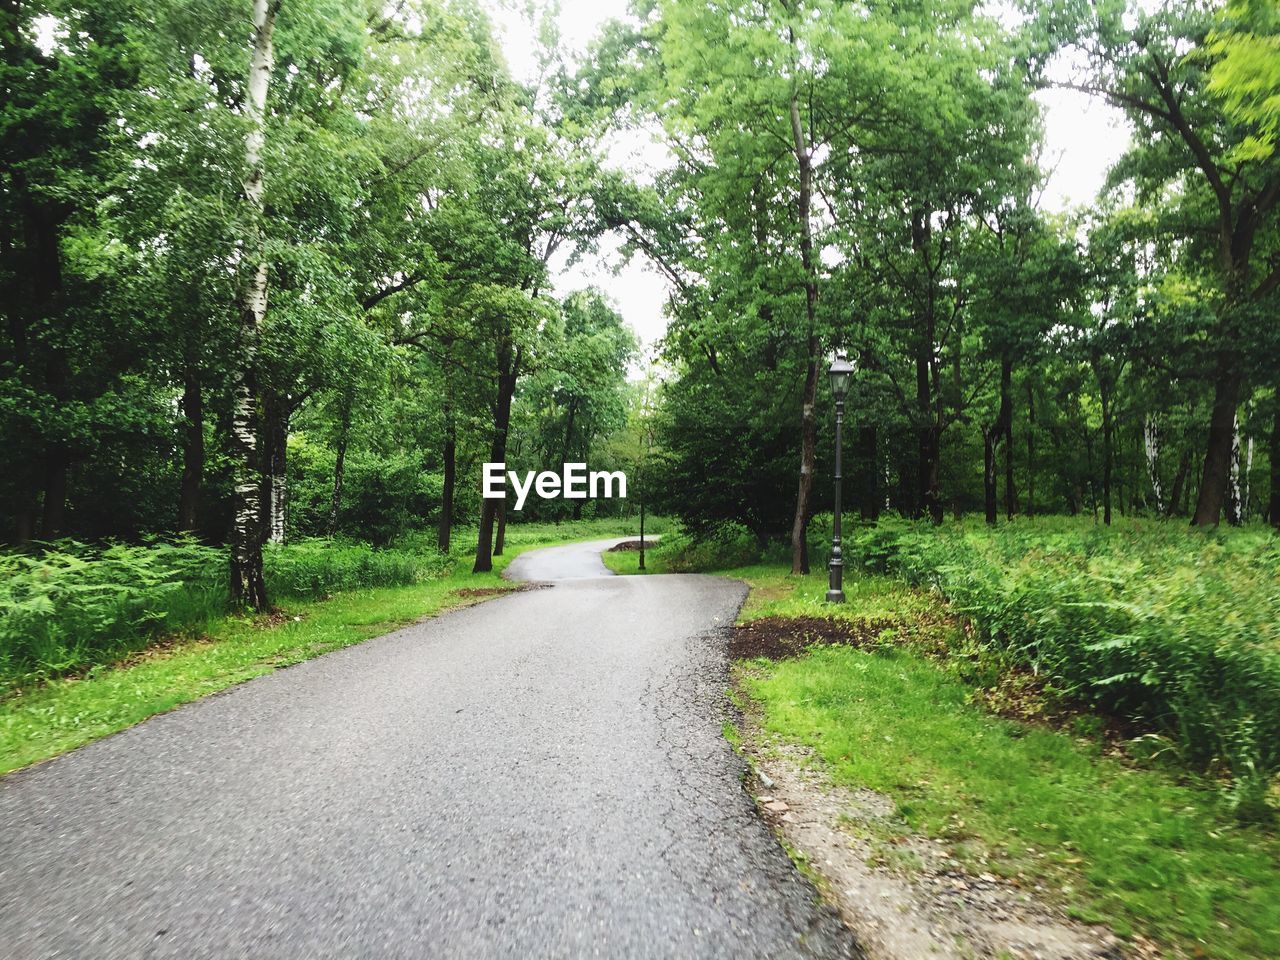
(840,374)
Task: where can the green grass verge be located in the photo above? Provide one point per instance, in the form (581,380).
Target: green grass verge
(44,720)
(1141,849)
(627,562)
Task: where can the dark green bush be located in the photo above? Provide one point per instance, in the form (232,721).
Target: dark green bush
(722,547)
(1174,629)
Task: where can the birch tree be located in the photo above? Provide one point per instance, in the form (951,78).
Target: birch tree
(247,584)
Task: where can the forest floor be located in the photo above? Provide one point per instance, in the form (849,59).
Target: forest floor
(975,817)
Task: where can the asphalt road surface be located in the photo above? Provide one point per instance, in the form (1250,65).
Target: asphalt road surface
(541,775)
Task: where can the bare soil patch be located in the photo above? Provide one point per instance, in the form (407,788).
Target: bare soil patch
(476,592)
(630,545)
(776,638)
(479,593)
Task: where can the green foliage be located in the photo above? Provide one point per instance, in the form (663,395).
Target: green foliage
(723,546)
(1172,629)
(72,606)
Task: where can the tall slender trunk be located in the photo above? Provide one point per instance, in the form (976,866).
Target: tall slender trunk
(444,529)
(928,404)
(192,450)
(275,480)
(990,501)
(500,539)
(508,371)
(1174,504)
(340,461)
(1235,500)
(1273,508)
(809,399)
(1216,472)
(1151,447)
(57,456)
(1031,450)
(567,446)
(928,434)
(247,584)
(567,450)
(1006,428)
(1108,455)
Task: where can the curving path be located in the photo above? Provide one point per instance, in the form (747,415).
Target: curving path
(542,775)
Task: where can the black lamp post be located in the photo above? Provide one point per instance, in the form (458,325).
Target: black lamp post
(840,373)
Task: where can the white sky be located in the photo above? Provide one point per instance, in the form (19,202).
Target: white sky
(1083,137)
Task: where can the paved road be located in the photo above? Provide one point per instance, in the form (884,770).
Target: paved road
(542,775)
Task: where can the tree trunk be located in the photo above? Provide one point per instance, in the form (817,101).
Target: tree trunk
(340,461)
(1216,473)
(1006,428)
(808,421)
(508,371)
(500,540)
(1235,501)
(444,529)
(57,457)
(1174,504)
(192,451)
(1273,447)
(929,425)
(1247,467)
(567,447)
(1108,455)
(1151,447)
(273,439)
(989,497)
(247,584)
(928,498)
(1031,450)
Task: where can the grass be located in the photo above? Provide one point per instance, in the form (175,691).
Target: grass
(627,562)
(42,720)
(1146,850)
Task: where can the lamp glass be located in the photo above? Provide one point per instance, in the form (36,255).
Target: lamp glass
(840,373)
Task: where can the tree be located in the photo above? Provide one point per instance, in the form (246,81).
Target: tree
(1227,175)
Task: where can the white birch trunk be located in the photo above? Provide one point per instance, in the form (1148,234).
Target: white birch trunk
(1248,471)
(279,494)
(1235,506)
(246,535)
(1151,441)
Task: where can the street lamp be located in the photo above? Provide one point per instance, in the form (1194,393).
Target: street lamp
(840,373)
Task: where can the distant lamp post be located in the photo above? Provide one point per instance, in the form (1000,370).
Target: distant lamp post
(840,374)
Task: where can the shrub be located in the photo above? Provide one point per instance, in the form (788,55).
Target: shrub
(71,606)
(312,568)
(1173,629)
(725,546)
